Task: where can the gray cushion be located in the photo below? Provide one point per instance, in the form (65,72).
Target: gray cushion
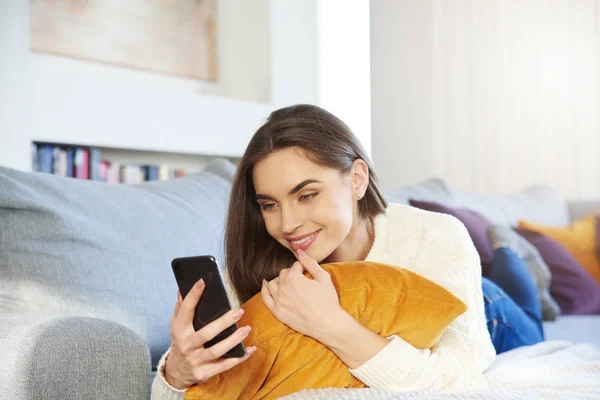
(540,204)
(434,189)
(538,269)
(579,209)
(75,247)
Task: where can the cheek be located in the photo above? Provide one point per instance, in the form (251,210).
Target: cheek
(273,228)
(270,224)
(338,218)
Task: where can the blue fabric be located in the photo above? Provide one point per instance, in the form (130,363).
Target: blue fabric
(512,306)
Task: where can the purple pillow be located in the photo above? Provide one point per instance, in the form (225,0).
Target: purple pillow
(571,286)
(476,225)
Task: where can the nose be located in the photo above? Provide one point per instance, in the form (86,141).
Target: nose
(290,221)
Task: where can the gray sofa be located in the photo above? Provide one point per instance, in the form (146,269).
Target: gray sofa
(86,289)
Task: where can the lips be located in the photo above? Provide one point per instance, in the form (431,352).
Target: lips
(303,242)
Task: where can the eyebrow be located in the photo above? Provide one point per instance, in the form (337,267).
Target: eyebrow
(296,189)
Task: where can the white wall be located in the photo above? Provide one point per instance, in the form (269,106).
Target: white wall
(99,105)
(15,148)
(491,96)
(400,90)
(344,64)
(320,55)
(271,53)
(244,49)
(294,52)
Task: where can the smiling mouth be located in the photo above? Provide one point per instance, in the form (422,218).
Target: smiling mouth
(305,242)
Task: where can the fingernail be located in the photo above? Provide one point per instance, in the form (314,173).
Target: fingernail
(301,252)
(264,282)
(250,350)
(238,314)
(245,331)
(200,284)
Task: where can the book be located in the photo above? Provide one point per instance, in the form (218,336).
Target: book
(62,162)
(95,164)
(83,162)
(70,162)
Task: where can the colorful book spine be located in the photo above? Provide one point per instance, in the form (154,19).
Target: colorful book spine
(62,162)
(87,163)
(70,162)
(95,164)
(82,163)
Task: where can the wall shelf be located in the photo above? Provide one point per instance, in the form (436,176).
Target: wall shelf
(72,104)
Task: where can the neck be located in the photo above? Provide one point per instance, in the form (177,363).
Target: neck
(357,244)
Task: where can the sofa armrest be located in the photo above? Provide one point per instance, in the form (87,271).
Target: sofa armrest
(579,209)
(61,357)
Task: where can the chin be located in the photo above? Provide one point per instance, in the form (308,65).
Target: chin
(322,258)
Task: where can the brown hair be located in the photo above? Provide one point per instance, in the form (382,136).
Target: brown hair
(251,253)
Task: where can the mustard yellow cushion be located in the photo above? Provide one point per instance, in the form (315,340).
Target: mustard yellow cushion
(385,299)
(579,239)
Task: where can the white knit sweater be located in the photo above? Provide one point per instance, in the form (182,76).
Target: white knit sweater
(438,247)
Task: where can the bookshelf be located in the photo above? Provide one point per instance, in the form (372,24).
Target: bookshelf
(114,165)
(138,115)
(133,117)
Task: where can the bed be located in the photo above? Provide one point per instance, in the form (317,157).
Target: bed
(554,369)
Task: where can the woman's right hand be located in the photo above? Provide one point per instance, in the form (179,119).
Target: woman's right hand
(189,362)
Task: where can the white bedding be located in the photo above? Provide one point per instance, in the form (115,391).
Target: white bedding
(548,370)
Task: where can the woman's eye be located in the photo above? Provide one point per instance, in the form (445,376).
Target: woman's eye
(267,206)
(307,197)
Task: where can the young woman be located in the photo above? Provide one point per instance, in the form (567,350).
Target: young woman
(305,193)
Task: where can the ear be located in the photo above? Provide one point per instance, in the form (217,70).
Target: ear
(359,178)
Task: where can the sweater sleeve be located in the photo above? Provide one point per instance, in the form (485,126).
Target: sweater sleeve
(465,349)
(161,390)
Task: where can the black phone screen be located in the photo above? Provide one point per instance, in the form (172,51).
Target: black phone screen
(214,301)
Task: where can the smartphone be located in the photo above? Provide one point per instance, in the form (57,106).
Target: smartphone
(214,301)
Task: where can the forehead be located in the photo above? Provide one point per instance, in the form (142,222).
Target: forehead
(284,169)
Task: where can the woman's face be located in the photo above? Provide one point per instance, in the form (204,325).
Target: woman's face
(306,206)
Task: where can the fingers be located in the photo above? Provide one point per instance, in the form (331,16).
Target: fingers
(218,350)
(266,297)
(175,312)
(226,364)
(188,306)
(297,268)
(202,364)
(177,307)
(273,287)
(214,328)
(283,274)
(312,266)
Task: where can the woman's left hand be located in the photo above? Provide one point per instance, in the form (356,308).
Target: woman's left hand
(308,306)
